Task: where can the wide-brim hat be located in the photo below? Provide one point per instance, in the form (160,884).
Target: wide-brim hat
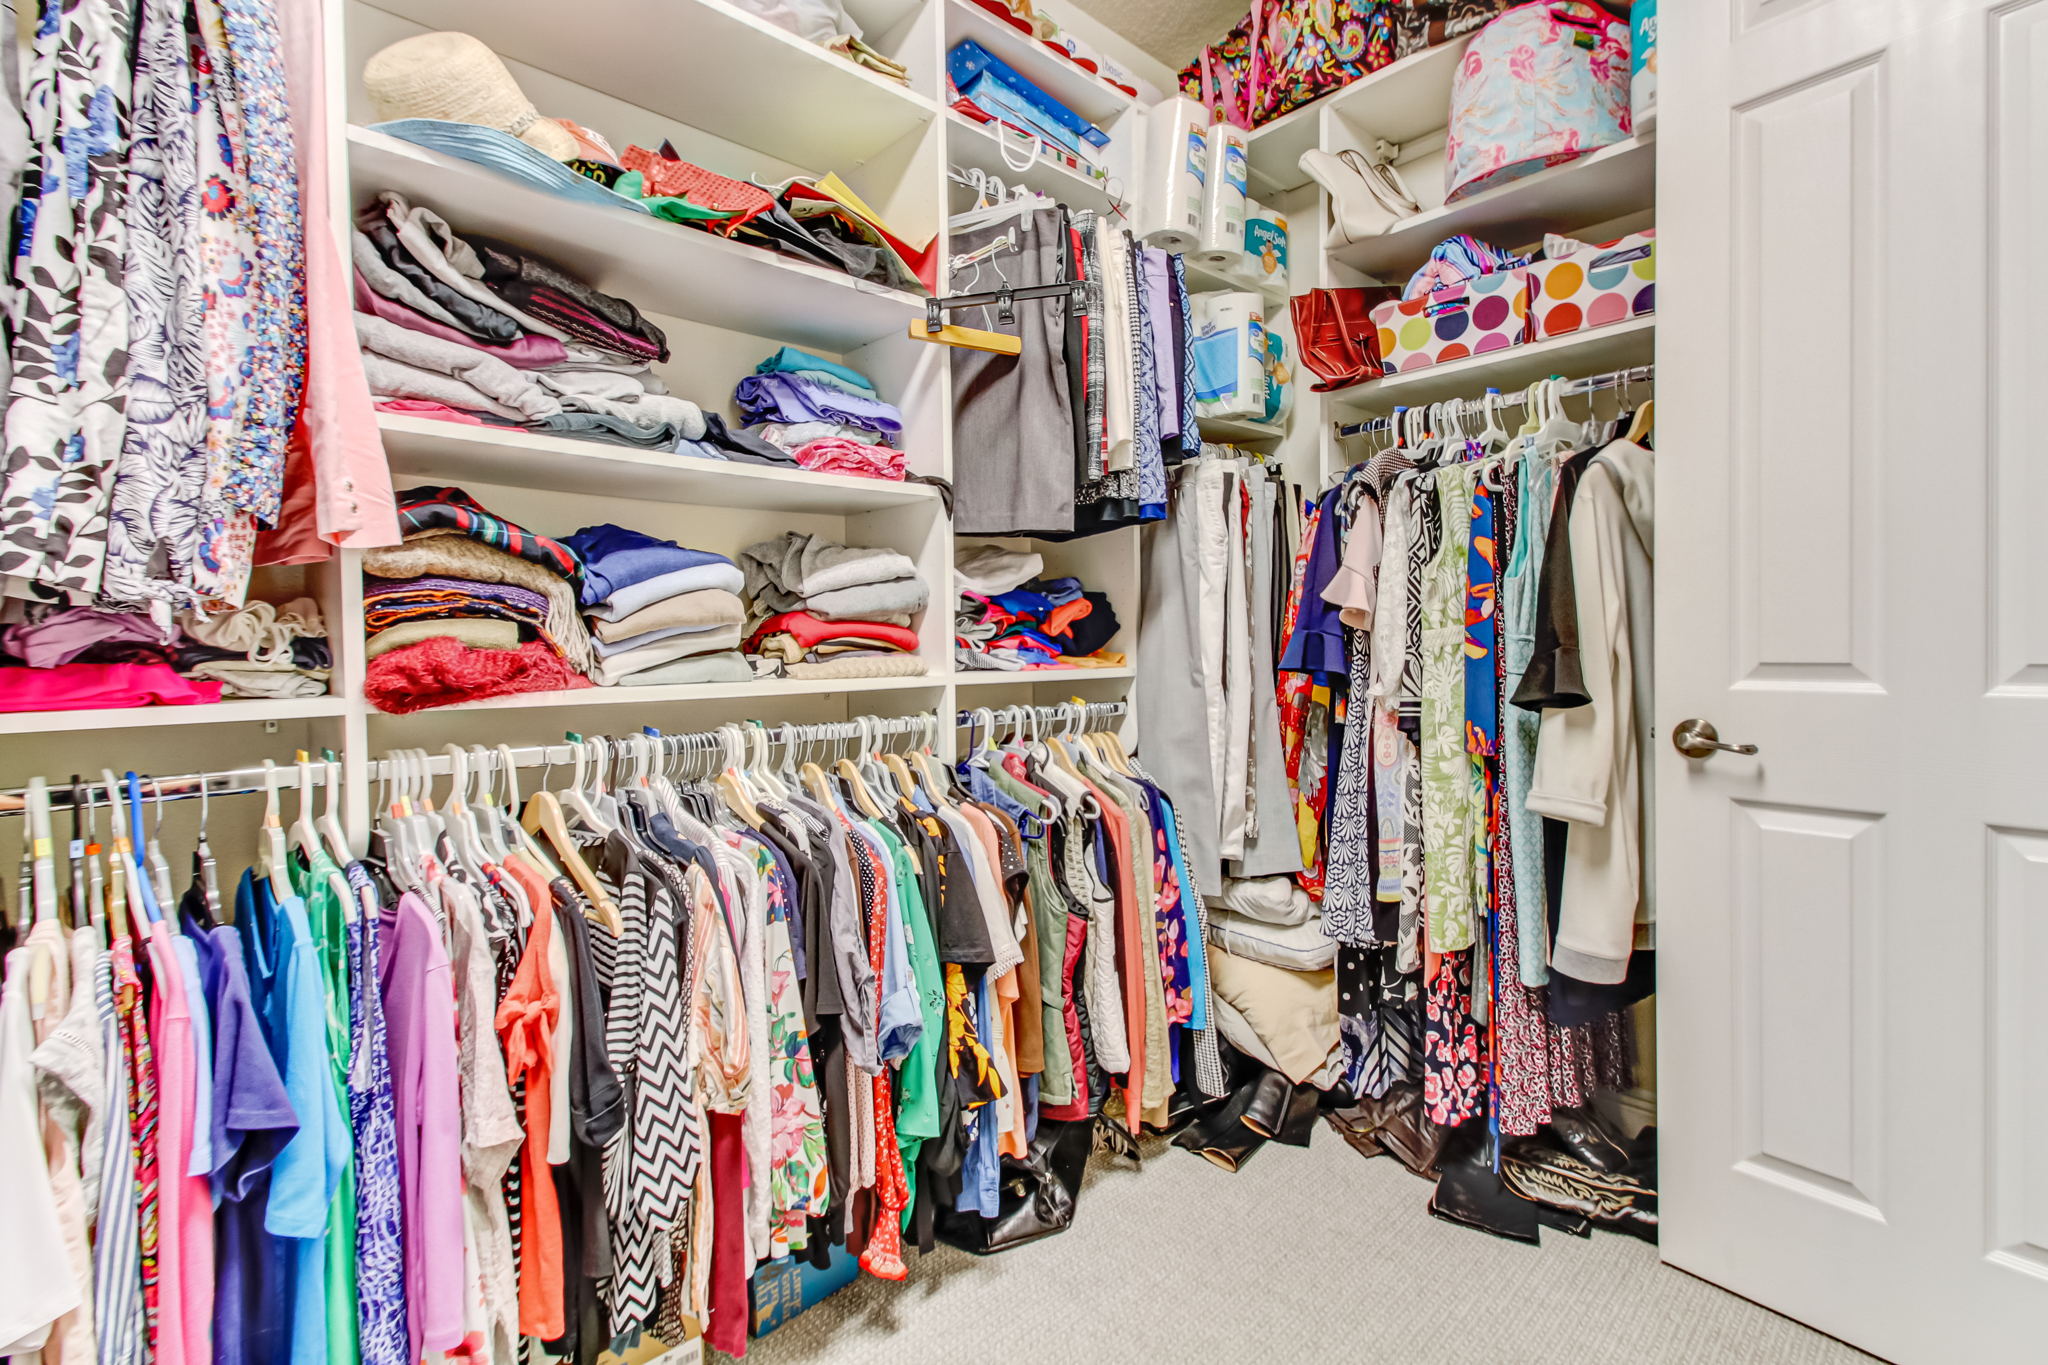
(457,78)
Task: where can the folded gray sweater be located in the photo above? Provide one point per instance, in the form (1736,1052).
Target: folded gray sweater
(801,566)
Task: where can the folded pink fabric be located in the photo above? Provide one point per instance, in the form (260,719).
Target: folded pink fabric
(530,352)
(423,407)
(99,687)
(837,455)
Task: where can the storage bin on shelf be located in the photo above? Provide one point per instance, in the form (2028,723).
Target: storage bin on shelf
(1483,314)
(1600,285)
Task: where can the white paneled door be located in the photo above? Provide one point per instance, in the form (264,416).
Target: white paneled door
(1852,575)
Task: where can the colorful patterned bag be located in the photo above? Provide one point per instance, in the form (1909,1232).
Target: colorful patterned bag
(1423,24)
(1288,53)
(1541,85)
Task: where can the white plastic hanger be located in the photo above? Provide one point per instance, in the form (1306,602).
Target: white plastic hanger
(304,837)
(271,845)
(330,819)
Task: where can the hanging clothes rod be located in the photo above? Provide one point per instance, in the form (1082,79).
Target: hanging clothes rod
(1475,407)
(183,787)
(673,742)
(1065,713)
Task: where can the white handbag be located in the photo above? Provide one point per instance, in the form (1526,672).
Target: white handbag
(1367,197)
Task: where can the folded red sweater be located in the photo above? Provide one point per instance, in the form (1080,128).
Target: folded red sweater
(443,671)
(810,632)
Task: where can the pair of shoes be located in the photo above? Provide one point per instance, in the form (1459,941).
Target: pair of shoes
(1221,1136)
(1281,1110)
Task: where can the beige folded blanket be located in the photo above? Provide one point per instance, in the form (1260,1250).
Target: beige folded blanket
(476,632)
(887,666)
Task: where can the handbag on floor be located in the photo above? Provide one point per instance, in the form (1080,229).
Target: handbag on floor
(1288,53)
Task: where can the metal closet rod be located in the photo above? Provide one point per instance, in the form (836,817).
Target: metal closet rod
(1061,714)
(564,753)
(183,787)
(1473,407)
(249,781)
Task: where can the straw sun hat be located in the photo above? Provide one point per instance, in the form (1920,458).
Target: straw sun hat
(456,77)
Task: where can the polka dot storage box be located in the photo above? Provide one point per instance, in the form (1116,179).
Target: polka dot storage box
(1594,287)
(1486,313)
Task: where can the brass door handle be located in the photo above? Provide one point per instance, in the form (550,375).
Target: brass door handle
(1699,739)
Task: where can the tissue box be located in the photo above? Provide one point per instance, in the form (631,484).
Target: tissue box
(1603,284)
(1487,313)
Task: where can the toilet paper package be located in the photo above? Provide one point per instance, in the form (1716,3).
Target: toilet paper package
(1230,355)
(1223,198)
(1265,244)
(1176,162)
(1279,369)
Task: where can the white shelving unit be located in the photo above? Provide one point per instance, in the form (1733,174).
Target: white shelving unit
(1614,182)
(748,100)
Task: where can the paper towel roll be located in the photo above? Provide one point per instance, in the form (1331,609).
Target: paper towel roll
(1265,243)
(1223,197)
(1230,355)
(1176,151)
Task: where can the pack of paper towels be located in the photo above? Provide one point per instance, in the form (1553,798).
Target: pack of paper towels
(1176,148)
(1230,355)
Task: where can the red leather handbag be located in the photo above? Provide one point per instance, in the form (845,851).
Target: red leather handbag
(1334,332)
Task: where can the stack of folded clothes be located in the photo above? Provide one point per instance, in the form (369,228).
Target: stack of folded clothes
(469,606)
(661,614)
(828,417)
(825,610)
(1011,619)
(76,658)
(470,329)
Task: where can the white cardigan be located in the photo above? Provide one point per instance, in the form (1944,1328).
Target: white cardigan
(1588,758)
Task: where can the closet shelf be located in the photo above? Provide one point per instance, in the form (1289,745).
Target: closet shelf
(144,717)
(1090,96)
(1399,103)
(1604,185)
(706,63)
(1204,279)
(1600,348)
(1239,429)
(980,145)
(422,449)
(662,267)
(765,690)
(990,677)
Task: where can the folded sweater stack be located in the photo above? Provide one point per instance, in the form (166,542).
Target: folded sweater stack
(826,610)
(469,606)
(828,417)
(1011,619)
(660,613)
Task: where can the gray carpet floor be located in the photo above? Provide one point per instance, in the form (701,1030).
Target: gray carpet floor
(1303,1256)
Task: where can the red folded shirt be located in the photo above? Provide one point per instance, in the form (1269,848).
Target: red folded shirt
(810,632)
(443,671)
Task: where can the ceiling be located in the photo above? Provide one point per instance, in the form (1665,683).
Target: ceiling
(1171,30)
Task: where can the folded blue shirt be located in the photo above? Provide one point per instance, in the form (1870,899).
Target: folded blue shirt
(791,360)
(616,558)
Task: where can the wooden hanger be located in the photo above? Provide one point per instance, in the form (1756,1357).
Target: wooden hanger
(1645,422)
(544,816)
(968,338)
